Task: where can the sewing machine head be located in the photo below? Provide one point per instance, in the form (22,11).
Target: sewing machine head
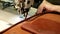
(25,6)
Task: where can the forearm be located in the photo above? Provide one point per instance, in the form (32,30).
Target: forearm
(57,8)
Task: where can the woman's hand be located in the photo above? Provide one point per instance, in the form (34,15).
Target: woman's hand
(48,6)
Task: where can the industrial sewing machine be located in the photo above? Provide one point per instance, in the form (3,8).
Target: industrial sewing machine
(9,3)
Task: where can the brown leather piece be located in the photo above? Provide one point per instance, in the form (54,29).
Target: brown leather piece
(45,24)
